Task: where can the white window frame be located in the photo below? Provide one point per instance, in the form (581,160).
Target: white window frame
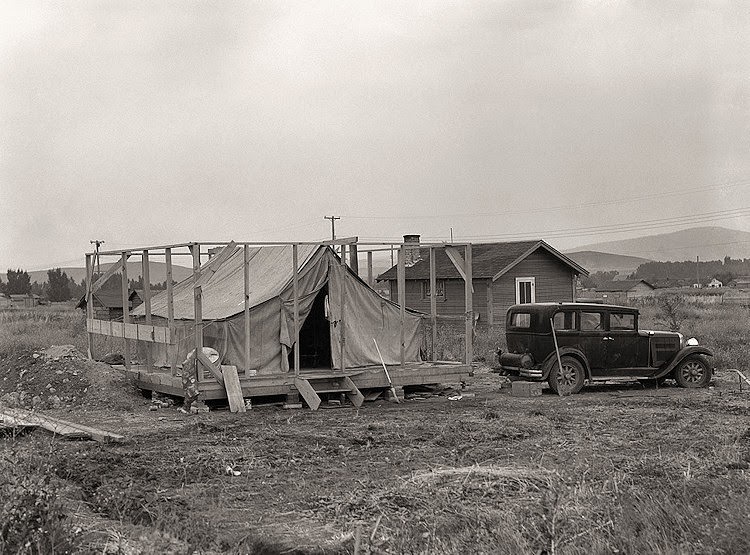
(532,281)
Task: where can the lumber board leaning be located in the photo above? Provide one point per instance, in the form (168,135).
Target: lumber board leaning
(63,428)
(211,367)
(233,388)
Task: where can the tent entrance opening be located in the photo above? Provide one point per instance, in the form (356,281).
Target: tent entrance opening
(315,337)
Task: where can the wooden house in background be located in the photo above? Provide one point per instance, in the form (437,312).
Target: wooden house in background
(24,300)
(503,274)
(620,292)
(107,304)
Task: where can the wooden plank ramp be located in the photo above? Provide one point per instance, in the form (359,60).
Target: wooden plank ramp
(10,417)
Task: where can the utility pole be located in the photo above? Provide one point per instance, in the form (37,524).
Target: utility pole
(97,243)
(333,225)
(698,270)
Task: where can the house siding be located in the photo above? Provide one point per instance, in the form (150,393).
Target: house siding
(554,282)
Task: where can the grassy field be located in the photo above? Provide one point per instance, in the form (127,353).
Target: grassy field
(616,469)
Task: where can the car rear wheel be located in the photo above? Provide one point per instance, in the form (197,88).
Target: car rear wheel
(693,372)
(569,379)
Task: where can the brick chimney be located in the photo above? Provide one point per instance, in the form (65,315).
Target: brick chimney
(411,250)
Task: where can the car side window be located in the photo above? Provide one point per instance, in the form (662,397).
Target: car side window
(565,321)
(620,322)
(520,320)
(591,321)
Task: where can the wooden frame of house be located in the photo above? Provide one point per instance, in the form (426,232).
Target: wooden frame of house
(292,379)
(503,274)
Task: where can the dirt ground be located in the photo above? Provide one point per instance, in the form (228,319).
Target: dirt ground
(616,469)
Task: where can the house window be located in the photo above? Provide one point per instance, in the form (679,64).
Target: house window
(525,290)
(439,287)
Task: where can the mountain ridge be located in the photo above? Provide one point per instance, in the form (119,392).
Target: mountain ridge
(708,243)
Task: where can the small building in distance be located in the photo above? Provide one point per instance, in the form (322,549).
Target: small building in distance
(27,300)
(503,274)
(715,283)
(107,304)
(742,282)
(619,292)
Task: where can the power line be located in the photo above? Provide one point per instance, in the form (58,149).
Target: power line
(577,206)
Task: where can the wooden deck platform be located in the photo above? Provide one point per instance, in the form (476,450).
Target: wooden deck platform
(371,377)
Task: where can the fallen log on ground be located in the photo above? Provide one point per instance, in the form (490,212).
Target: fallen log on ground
(21,418)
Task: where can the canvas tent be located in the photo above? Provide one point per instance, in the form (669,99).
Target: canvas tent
(323,284)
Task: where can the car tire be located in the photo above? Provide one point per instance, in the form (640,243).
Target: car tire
(693,372)
(570,380)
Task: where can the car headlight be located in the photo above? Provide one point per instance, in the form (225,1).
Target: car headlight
(692,341)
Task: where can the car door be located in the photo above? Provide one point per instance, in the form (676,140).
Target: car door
(622,343)
(592,339)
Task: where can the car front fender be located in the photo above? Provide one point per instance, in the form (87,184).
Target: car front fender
(681,355)
(551,360)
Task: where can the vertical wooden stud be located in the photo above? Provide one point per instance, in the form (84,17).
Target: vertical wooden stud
(295,267)
(342,334)
(246,272)
(89,303)
(469,305)
(370,280)
(125,311)
(197,304)
(146,273)
(433,303)
(401,281)
(354,258)
(490,303)
(172,347)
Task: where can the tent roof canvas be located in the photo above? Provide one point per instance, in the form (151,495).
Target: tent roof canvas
(270,269)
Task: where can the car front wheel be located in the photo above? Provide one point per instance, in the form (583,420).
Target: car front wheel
(569,379)
(693,372)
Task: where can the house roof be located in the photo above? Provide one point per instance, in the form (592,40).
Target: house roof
(108,298)
(489,261)
(622,286)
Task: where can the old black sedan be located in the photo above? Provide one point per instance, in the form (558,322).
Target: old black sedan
(569,343)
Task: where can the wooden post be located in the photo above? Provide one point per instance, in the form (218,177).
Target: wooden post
(433,303)
(354,258)
(125,311)
(370,280)
(89,304)
(469,306)
(246,272)
(490,303)
(197,304)
(171,349)
(146,273)
(342,335)
(295,266)
(401,281)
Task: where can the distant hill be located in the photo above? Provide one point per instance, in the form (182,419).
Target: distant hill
(157,271)
(606,262)
(709,243)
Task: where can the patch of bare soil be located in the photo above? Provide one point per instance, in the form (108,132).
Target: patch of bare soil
(617,468)
(62,377)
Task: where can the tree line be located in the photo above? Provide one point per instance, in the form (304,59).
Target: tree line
(60,287)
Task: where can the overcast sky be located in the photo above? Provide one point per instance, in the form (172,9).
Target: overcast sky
(155,122)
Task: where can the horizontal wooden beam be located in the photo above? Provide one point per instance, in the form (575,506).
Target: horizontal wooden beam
(139,332)
(341,241)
